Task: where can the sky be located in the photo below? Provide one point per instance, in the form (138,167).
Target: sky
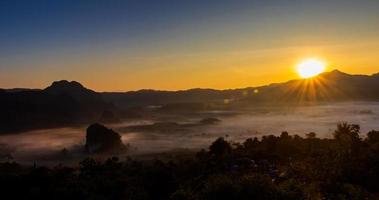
(115,45)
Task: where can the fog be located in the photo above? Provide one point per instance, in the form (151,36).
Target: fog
(46,145)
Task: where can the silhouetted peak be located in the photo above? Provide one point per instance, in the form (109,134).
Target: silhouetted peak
(66,86)
(336,71)
(334,74)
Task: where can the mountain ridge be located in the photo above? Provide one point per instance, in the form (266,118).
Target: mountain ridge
(267,93)
(69,102)
(66,83)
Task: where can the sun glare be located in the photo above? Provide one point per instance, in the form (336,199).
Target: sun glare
(310,68)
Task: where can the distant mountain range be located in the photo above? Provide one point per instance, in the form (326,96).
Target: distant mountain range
(69,103)
(328,86)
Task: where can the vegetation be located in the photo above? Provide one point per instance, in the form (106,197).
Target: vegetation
(101,139)
(273,167)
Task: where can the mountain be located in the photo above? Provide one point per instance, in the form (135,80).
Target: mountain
(66,103)
(61,104)
(88,99)
(328,86)
(21,89)
(156,97)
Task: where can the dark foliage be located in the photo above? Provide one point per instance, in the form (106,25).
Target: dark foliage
(273,167)
(101,139)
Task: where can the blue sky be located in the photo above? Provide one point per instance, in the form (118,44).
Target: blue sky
(41,41)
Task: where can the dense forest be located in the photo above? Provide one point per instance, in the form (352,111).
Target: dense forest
(272,167)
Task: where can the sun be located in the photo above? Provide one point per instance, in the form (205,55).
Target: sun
(310,68)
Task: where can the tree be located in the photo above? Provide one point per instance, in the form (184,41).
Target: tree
(220,148)
(311,135)
(373,137)
(284,135)
(347,134)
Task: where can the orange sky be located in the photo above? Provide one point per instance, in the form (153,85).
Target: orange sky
(220,70)
(232,45)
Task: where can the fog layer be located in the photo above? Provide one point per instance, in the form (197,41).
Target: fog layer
(46,145)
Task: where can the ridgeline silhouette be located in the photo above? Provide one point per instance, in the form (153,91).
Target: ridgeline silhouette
(67,103)
(329,86)
(61,104)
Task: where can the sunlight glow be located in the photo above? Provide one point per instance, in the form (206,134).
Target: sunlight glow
(310,68)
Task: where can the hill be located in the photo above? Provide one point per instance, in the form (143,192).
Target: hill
(63,103)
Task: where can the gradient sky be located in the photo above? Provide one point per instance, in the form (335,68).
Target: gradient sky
(125,45)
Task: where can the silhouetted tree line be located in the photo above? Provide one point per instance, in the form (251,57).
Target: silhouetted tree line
(273,167)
